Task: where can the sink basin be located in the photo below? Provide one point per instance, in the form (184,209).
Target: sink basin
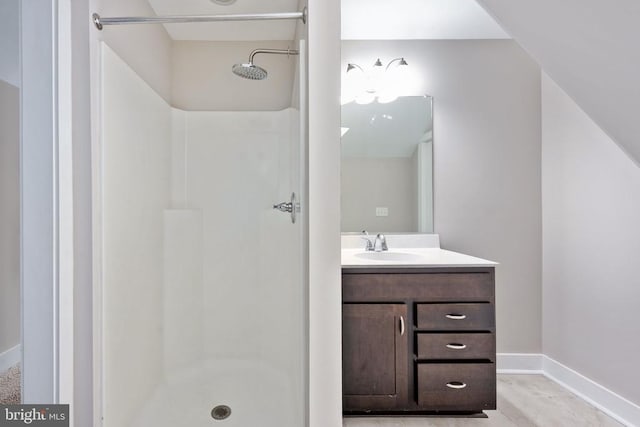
(390,256)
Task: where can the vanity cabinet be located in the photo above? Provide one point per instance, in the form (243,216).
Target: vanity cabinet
(374,348)
(418,340)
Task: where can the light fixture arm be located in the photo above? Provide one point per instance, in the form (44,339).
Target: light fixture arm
(351,66)
(401,59)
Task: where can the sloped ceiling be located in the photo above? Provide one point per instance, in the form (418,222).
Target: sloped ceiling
(228,31)
(591,49)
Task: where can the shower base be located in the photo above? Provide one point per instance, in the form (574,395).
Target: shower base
(256,394)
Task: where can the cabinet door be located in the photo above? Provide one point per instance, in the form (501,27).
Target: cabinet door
(374,356)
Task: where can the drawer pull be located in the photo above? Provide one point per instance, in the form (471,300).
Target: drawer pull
(401,326)
(456,316)
(456,346)
(456,384)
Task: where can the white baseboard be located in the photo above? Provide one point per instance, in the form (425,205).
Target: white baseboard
(612,404)
(10,358)
(519,363)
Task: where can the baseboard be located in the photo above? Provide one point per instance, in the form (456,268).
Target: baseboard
(10,358)
(519,363)
(612,404)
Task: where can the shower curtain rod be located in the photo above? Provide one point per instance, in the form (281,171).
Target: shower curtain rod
(181,19)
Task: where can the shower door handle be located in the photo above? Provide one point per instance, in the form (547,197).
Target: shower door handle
(291,207)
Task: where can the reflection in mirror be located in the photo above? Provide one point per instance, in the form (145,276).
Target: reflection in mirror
(387,167)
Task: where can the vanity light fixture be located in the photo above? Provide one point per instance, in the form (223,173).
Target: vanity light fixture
(377,83)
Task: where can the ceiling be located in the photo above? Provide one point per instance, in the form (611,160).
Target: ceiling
(361,20)
(417,19)
(228,31)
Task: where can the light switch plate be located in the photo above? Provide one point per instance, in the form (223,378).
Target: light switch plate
(382,211)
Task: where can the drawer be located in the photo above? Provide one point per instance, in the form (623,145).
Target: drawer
(455,317)
(456,346)
(456,386)
(443,286)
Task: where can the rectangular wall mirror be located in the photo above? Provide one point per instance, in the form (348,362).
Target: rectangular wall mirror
(387,166)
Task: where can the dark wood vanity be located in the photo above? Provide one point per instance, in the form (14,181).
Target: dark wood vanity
(418,340)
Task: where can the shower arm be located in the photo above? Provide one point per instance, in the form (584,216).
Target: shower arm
(287,52)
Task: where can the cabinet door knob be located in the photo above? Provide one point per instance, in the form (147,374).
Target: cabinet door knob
(401,325)
(456,384)
(456,346)
(456,316)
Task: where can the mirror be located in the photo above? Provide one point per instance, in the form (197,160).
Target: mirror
(387,166)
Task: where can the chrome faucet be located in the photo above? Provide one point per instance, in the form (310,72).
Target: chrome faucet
(378,245)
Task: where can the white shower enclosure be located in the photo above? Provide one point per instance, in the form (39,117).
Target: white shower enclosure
(200,287)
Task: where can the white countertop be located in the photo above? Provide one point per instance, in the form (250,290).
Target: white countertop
(429,257)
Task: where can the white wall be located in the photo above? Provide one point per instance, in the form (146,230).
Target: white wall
(202,79)
(590,48)
(486,109)
(10,41)
(325,294)
(136,147)
(591,206)
(146,48)
(237,165)
(9,216)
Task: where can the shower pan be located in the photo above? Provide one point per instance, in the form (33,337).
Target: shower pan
(201,290)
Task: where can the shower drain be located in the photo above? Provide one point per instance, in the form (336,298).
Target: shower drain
(220,412)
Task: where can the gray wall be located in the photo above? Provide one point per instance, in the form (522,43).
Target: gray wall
(591,287)
(367,183)
(82,181)
(38,248)
(201,77)
(9,175)
(486,163)
(9,216)
(10,42)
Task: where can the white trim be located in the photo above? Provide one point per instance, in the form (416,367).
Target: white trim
(519,363)
(97,88)
(65,259)
(612,404)
(10,357)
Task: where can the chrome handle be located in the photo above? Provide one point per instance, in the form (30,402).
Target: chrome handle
(284,207)
(456,316)
(401,326)
(456,346)
(456,385)
(291,207)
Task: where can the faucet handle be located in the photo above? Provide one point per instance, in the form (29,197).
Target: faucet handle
(383,242)
(365,237)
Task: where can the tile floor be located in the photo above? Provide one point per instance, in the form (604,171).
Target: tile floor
(523,401)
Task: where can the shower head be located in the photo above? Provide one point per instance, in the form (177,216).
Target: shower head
(252,71)
(249,71)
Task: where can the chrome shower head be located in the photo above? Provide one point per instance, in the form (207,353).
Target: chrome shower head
(249,71)
(252,71)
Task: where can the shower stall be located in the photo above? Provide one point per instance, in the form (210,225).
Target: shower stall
(201,289)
